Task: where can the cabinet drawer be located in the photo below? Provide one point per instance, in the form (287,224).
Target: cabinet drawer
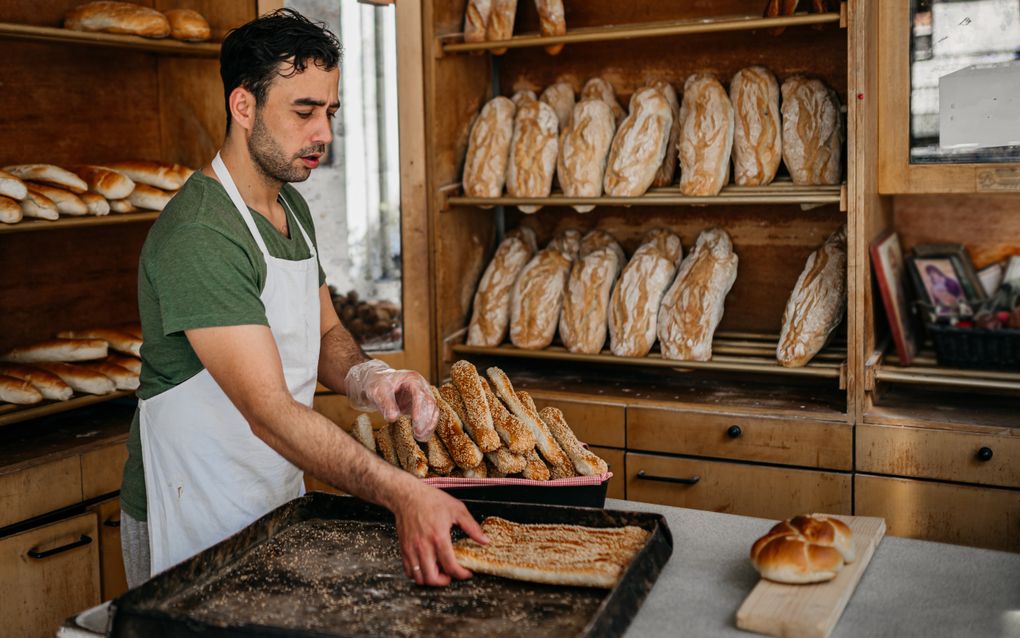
(982,517)
(38,593)
(615,460)
(114,581)
(750,490)
(788,441)
(939,454)
(102,470)
(37,490)
(594,422)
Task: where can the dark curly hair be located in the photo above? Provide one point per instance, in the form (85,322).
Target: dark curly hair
(252,53)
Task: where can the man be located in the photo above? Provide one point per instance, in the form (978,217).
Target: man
(239,325)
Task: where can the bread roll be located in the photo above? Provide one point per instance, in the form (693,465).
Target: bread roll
(58,350)
(485,165)
(545,442)
(476,20)
(479,472)
(12,186)
(560,96)
(533,151)
(49,385)
(122,206)
(96,204)
(490,313)
(439,459)
(10,210)
(535,468)
(118,17)
(148,197)
(812,131)
(462,449)
(639,146)
(634,304)
(584,319)
(706,136)
(501,22)
(18,391)
(107,182)
(39,206)
(362,432)
(187,25)
(516,436)
(163,176)
(506,462)
(411,458)
(585,461)
(693,306)
(521,405)
(48,174)
(600,89)
(128,363)
(553,22)
(537,298)
(816,305)
(67,203)
(385,445)
(584,150)
(805,549)
(476,405)
(118,340)
(757,133)
(122,378)
(485,438)
(664,176)
(81,379)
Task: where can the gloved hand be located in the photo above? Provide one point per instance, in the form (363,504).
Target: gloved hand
(373,385)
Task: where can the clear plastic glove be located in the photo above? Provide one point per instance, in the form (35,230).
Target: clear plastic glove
(373,385)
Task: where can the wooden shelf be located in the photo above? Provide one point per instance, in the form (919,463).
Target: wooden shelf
(10,414)
(926,372)
(78,222)
(456,44)
(165,46)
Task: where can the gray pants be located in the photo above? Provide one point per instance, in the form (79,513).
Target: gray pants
(134,547)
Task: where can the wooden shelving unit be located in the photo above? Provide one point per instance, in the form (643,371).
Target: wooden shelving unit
(10,414)
(925,371)
(34,225)
(166,46)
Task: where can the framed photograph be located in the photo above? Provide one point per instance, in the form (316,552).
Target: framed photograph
(962,273)
(938,284)
(888,266)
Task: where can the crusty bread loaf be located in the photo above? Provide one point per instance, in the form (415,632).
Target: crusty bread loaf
(12,186)
(411,458)
(121,206)
(385,445)
(521,405)
(80,378)
(634,304)
(362,432)
(664,176)
(585,461)
(553,21)
(67,203)
(585,315)
(168,177)
(516,436)
(601,89)
(118,340)
(105,181)
(18,391)
(476,405)
(535,468)
(758,132)
(485,438)
(501,22)
(187,25)
(123,379)
(560,96)
(533,151)
(584,150)
(804,549)
(476,20)
(490,314)
(816,305)
(639,146)
(567,242)
(147,197)
(537,298)
(522,96)
(693,306)
(10,210)
(39,206)
(49,385)
(485,165)
(96,204)
(706,136)
(58,350)
(812,131)
(118,17)
(526,235)
(129,363)
(439,459)
(451,432)
(48,174)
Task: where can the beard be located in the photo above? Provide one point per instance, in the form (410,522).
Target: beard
(270,158)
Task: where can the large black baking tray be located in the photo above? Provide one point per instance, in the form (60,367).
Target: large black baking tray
(328,566)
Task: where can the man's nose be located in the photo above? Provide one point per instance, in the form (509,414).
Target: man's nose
(323,133)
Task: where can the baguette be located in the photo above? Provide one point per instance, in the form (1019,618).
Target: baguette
(560,96)
(537,298)
(58,350)
(18,391)
(12,186)
(451,432)
(584,150)
(123,379)
(553,22)
(148,197)
(385,445)
(515,435)
(758,133)
(187,25)
(48,174)
(489,149)
(122,206)
(104,181)
(118,340)
(439,459)
(556,458)
(585,315)
(585,462)
(490,315)
(706,136)
(96,204)
(501,22)
(412,459)
(561,471)
(812,131)
(639,146)
(49,385)
(506,462)
(118,17)
(362,432)
(634,303)
(39,206)
(129,363)
(522,407)
(664,176)
(166,177)
(67,203)
(478,472)
(10,210)
(476,405)
(535,468)
(486,440)
(533,151)
(600,89)
(80,379)
(476,20)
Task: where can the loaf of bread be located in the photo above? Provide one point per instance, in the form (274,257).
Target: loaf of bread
(169,177)
(560,96)
(476,20)
(48,174)
(584,319)
(553,21)
(501,22)
(639,146)
(49,385)
(706,136)
(485,166)
(601,89)
(118,17)
(10,210)
(526,235)
(118,340)
(187,25)
(816,305)
(693,306)
(12,186)
(537,298)
(439,458)
(123,379)
(490,314)
(533,151)
(18,391)
(516,436)
(96,204)
(58,350)
(107,182)
(485,438)
(804,549)
(476,405)
(634,304)
(362,432)
(584,150)
(535,468)
(664,176)
(147,197)
(757,133)
(567,242)
(812,131)
(39,206)
(411,458)
(128,363)
(462,449)
(80,378)
(385,445)
(586,463)
(67,203)
(521,405)
(506,462)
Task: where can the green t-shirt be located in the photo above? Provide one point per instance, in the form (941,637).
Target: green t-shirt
(200,267)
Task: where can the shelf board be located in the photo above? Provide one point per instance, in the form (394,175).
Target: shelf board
(167,46)
(933,375)
(78,222)
(456,44)
(10,413)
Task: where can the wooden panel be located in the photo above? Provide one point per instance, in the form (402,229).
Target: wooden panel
(36,595)
(114,580)
(594,422)
(102,470)
(939,454)
(982,517)
(990,236)
(39,489)
(616,459)
(789,441)
(313,484)
(193,118)
(750,490)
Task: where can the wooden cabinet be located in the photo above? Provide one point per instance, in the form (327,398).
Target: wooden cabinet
(594,422)
(113,578)
(33,491)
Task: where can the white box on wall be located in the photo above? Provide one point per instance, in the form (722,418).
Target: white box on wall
(979,107)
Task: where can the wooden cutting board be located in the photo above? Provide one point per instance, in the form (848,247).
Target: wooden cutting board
(811,611)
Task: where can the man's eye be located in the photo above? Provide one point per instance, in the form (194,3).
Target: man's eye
(303,114)
(331,114)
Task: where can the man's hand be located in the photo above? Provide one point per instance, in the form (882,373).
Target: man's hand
(425,516)
(373,385)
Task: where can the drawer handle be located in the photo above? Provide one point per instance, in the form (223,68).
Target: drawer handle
(81,542)
(111,523)
(734,432)
(668,479)
(984,454)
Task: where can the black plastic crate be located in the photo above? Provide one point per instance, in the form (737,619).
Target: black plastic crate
(978,348)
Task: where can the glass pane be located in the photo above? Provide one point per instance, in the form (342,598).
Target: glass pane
(355,195)
(964,81)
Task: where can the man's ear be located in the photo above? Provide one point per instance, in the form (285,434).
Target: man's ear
(242,108)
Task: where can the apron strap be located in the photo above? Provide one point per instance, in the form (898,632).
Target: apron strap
(235,196)
(297,222)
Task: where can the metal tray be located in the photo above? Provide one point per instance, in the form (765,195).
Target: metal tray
(328,566)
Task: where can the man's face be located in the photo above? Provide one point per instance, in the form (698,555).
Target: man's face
(294,124)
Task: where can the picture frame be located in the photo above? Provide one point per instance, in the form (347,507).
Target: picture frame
(965,273)
(888,267)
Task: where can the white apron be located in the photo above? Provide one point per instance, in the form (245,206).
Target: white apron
(207,475)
